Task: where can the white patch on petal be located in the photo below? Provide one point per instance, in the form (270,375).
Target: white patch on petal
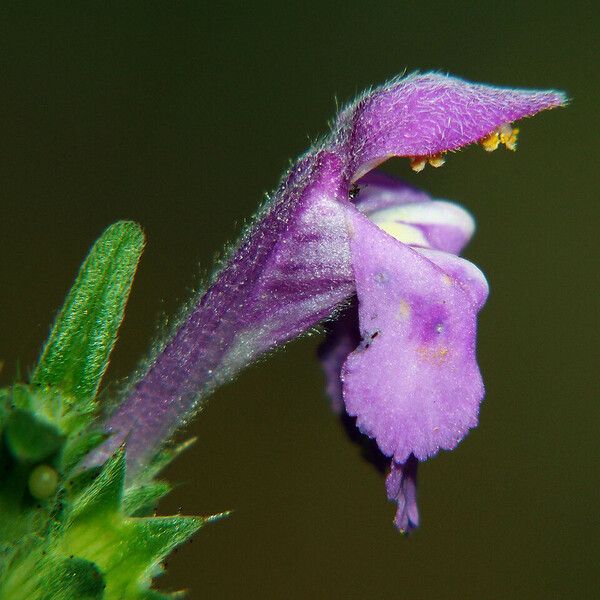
(436,212)
(404,233)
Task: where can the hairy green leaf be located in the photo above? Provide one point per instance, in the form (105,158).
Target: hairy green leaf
(77,352)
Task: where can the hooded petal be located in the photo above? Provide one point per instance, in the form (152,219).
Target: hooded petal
(413,383)
(424,115)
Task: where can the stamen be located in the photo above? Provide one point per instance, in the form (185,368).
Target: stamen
(417,163)
(508,136)
(437,160)
(490,142)
(505,134)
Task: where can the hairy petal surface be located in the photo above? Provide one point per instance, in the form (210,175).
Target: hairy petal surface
(463,272)
(289,273)
(413,383)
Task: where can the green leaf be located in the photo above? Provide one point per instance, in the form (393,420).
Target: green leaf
(77,352)
(51,406)
(4,406)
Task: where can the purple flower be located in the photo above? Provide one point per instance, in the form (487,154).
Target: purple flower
(404,365)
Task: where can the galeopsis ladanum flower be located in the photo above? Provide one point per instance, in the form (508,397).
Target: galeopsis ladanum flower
(336,238)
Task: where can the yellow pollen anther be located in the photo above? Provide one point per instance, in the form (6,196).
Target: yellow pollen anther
(508,136)
(505,134)
(437,160)
(417,163)
(490,142)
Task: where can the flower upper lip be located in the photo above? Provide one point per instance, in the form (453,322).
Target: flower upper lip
(428,114)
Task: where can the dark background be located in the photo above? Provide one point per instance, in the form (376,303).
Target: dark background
(181,115)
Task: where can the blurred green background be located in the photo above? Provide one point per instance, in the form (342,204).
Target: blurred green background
(180,115)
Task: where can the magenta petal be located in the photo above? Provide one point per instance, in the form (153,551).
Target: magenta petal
(413,383)
(427,114)
(401,487)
